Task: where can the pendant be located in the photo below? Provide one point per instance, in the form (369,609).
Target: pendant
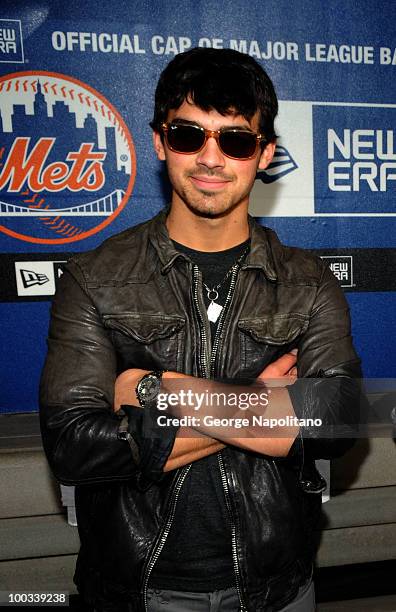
(214,311)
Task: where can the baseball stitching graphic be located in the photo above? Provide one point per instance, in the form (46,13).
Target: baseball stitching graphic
(67,159)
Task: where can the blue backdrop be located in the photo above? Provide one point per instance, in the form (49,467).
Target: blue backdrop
(77,165)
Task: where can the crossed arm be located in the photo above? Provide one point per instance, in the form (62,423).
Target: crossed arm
(81,432)
(193,444)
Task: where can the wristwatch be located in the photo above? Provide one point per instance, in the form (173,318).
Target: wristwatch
(149,387)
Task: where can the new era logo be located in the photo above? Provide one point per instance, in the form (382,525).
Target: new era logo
(35,278)
(30,278)
(11,42)
(342,268)
(282,164)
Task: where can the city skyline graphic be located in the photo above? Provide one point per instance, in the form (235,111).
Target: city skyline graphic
(53,128)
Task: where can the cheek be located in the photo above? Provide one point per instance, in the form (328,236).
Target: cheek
(174,166)
(247,174)
(178,166)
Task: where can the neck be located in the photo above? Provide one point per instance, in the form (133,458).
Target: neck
(207,234)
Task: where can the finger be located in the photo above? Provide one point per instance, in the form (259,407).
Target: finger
(280,367)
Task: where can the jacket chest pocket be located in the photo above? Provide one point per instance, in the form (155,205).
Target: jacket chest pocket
(146,341)
(264,339)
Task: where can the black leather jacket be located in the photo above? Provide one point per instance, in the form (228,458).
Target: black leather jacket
(136,302)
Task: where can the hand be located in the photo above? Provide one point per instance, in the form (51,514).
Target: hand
(281,372)
(124,388)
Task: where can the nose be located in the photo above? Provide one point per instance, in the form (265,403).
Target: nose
(211,155)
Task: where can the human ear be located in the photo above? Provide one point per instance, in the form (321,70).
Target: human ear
(159,146)
(267,155)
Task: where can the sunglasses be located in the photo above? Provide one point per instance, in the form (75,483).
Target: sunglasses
(235,143)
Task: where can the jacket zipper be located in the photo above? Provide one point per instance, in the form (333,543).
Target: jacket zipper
(220,325)
(233,533)
(160,542)
(223,475)
(204,370)
(203,366)
(159,545)
(206,350)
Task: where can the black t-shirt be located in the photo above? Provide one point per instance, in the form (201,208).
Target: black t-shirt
(197,555)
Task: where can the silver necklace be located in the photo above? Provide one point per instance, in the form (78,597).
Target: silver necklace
(214,309)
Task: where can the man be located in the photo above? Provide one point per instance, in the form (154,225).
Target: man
(197,517)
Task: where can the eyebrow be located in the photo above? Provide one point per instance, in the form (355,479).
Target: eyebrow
(182,121)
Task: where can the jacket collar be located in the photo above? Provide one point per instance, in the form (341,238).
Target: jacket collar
(159,238)
(259,257)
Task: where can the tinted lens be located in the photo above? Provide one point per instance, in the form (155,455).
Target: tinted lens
(238,144)
(185,138)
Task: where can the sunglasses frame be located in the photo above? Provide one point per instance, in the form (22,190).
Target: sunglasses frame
(212,134)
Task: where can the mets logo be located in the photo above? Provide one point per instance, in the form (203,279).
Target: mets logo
(67,159)
(282,164)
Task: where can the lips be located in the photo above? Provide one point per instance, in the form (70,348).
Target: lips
(209,182)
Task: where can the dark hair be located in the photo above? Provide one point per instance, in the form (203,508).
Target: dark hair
(217,79)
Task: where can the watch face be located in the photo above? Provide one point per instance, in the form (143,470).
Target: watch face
(148,388)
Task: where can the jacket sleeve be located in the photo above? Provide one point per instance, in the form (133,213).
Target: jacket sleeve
(84,439)
(329,385)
